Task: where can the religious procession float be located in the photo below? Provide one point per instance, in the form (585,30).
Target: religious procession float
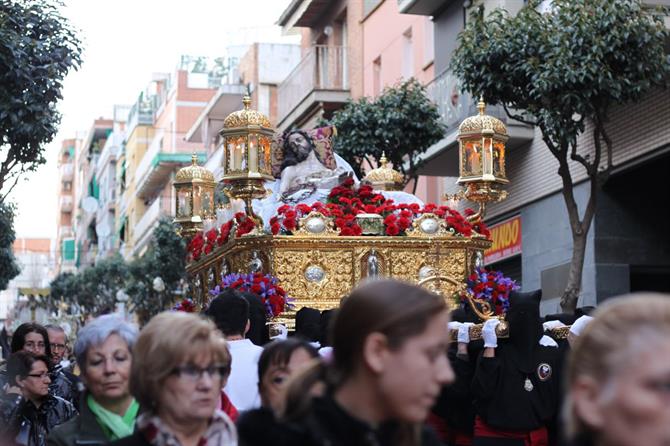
(298,226)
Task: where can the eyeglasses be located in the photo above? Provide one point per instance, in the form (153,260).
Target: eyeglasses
(39,375)
(57,346)
(194,373)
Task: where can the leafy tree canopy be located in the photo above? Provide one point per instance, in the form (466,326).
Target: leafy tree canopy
(560,70)
(402,121)
(8,266)
(566,66)
(38,47)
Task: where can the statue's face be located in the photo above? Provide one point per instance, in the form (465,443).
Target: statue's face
(299,145)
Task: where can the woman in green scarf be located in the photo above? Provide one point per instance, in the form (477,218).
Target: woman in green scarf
(108,411)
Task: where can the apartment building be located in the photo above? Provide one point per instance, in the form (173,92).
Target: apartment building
(261,70)
(156,148)
(37,260)
(65,241)
(330,71)
(87,191)
(627,248)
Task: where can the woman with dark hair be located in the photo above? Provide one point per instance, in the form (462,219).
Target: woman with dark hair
(34,338)
(28,411)
(389,364)
(278,362)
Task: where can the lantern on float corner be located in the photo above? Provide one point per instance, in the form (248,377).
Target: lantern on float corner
(194,198)
(481,143)
(247,140)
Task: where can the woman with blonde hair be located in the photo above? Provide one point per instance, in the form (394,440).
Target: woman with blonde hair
(389,365)
(619,375)
(180,363)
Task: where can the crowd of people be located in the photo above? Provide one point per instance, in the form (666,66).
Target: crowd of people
(380,370)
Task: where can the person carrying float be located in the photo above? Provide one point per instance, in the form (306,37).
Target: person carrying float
(516,385)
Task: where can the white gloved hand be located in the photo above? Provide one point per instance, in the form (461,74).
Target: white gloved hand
(580,324)
(489,333)
(278,331)
(464,332)
(454,325)
(550,325)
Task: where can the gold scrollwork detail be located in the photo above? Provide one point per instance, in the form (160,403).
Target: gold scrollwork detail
(315,224)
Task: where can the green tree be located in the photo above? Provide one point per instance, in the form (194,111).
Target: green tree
(93,289)
(38,47)
(561,71)
(165,258)
(8,267)
(401,121)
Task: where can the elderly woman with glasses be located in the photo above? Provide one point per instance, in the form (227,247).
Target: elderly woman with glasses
(108,410)
(180,365)
(28,411)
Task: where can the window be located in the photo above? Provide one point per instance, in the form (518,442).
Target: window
(67,186)
(377,76)
(429,41)
(407,54)
(369,5)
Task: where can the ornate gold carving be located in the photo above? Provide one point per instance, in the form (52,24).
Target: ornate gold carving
(384,177)
(481,121)
(428,225)
(193,172)
(246,117)
(344,261)
(304,222)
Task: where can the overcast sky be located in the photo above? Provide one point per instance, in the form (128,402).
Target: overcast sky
(125,42)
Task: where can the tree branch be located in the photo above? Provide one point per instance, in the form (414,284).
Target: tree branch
(518,117)
(581,160)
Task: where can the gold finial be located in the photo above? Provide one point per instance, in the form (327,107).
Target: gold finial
(481,105)
(383,161)
(194,159)
(246,100)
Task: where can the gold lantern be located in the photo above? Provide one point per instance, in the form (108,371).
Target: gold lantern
(384,177)
(194,194)
(247,139)
(481,141)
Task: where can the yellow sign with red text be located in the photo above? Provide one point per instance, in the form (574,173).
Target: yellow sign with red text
(506,238)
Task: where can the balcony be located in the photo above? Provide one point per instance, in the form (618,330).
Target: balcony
(454,106)
(321,79)
(154,170)
(65,203)
(65,231)
(144,228)
(421,7)
(67,171)
(141,113)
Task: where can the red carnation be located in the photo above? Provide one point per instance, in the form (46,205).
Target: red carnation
(392,229)
(290,223)
(275,228)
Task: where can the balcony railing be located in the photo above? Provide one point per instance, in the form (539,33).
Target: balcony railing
(323,68)
(146,164)
(66,171)
(453,105)
(161,206)
(65,204)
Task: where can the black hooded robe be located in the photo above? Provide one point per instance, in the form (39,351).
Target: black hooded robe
(518,390)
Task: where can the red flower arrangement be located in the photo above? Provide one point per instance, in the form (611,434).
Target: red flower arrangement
(207,242)
(345,202)
(266,287)
(186,305)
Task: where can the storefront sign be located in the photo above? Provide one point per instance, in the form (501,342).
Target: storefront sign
(506,237)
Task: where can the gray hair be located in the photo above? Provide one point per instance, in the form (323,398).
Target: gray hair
(98,330)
